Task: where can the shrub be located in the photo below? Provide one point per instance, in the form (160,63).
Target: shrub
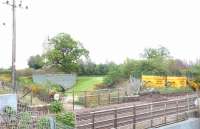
(66,118)
(56,107)
(43,123)
(24,121)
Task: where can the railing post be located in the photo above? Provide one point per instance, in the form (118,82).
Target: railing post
(134,117)
(115,119)
(73,99)
(177,110)
(151,111)
(118,95)
(165,117)
(31,97)
(109,98)
(188,103)
(98,99)
(93,120)
(85,98)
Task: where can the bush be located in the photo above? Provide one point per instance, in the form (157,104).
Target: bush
(24,121)
(56,107)
(43,123)
(66,118)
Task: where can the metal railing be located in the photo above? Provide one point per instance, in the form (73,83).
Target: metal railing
(134,115)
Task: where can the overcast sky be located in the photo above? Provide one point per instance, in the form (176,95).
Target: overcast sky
(110,29)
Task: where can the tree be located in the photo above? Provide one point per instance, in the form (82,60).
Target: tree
(64,52)
(161,52)
(36,62)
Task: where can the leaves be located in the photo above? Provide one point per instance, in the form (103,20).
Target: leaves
(65,52)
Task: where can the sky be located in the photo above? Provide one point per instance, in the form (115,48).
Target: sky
(112,30)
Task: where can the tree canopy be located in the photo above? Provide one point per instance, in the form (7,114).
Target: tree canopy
(65,52)
(36,62)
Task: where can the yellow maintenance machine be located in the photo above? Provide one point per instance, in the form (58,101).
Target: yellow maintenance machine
(193,84)
(171,81)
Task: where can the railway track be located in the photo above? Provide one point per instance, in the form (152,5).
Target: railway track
(119,117)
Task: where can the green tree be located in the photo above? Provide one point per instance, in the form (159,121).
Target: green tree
(36,62)
(64,52)
(150,53)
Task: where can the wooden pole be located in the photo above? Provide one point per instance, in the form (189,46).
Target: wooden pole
(115,119)
(85,98)
(109,98)
(177,110)
(73,99)
(93,120)
(31,97)
(118,95)
(134,117)
(151,110)
(165,117)
(98,99)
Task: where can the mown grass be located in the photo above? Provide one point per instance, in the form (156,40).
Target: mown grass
(169,90)
(87,83)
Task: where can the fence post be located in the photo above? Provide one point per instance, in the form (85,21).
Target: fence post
(134,117)
(118,95)
(109,98)
(85,98)
(98,99)
(31,97)
(188,105)
(151,111)
(177,106)
(165,117)
(198,95)
(93,120)
(115,119)
(73,99)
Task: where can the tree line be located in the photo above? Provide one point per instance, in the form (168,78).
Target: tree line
(70,56)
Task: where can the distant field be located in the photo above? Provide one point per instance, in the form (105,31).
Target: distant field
(87,83)
(5,77)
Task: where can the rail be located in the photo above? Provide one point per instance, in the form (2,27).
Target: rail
(132,115)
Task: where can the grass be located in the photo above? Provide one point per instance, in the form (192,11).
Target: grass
(87,83)
(169,90)
(5,77)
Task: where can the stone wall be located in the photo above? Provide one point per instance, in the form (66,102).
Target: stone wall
(65,80)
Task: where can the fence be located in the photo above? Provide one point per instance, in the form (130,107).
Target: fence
(139,116)
(98,97)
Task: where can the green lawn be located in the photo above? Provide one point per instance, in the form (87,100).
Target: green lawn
(87,83)
(169,90)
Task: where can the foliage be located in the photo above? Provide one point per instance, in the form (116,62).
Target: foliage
(151,53)
(114,75)
(66,118)
(9,111)
(27,72)
(36,62)
(24,121)
(56,107)
(90,68)
(9,116)
(65,52)
(43,123)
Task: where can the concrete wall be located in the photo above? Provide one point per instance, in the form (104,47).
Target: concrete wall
(8,100)
(65,80)
(192,123)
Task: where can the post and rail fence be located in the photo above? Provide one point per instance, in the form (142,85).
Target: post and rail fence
(153,114)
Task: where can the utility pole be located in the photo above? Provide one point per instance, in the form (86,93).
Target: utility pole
(14,6)
(14,47)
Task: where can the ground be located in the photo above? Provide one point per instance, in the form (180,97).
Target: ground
(87,83)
